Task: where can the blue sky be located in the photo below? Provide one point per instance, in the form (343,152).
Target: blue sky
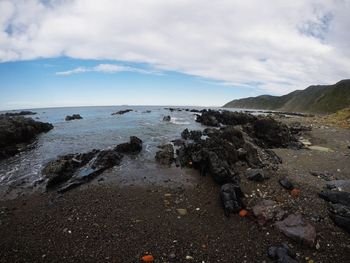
(39,83)
(88,52)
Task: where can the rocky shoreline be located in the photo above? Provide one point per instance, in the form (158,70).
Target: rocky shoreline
(276,212)
(16,132)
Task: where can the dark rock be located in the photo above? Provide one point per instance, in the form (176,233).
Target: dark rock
(231,197)
(62,169)
(297,228)
(178,142)
(270,133)
(73,117)
(340,185)
(194,110)
(147,111)
(106,159)
(18,130)
(285,183)
(214,118)
(256,175)
(121,112)
(166,155)
(340,214)
(167,118)
(273,157)
(134,146)
(191,135)
(282,253)
(266,211)
(323,175)
(21,113)
(336,197)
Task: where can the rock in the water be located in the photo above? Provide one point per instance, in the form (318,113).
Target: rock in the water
(256,175)
(134,146)
(62,169)
(166,155)
(231,197)
(297,228)
(282,253)
(73,117)
(167,118)
(18,130)
(121,112)
(336,197)
(266,211)
(285,183)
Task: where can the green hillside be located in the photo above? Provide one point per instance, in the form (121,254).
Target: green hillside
(314,99)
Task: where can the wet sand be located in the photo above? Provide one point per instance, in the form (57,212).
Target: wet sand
(119,220)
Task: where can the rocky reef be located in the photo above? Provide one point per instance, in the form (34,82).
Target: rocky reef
(16,132)
(70,171)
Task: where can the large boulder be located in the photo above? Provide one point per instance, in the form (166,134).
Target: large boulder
(297,228)
(18,130)
(270,133)
(21,113)
(133,146)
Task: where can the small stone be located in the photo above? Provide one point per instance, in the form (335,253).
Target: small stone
(189,258)
(295,193)
(318,246)
(167,195)
(182,211)
(285,183)
(172,256)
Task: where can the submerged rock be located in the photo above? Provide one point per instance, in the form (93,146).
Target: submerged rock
(166,155)
(282,253)
(297,228)
(134,146)
(231,198)
(18,130)
(73,117)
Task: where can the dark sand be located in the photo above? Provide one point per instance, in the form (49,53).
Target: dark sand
(114,221)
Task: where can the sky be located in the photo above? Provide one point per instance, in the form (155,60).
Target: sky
(177,52)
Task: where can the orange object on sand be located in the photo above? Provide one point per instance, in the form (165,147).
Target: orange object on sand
(295,192)
(147,258)
(243,213)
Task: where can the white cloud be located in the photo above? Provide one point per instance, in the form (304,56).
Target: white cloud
(282,45)
(106,68)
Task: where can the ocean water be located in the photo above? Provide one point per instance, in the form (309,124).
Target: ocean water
(97,130)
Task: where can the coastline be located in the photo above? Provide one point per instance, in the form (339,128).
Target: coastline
(111,222)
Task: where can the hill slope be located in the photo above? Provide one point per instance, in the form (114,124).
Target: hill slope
(314,99)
